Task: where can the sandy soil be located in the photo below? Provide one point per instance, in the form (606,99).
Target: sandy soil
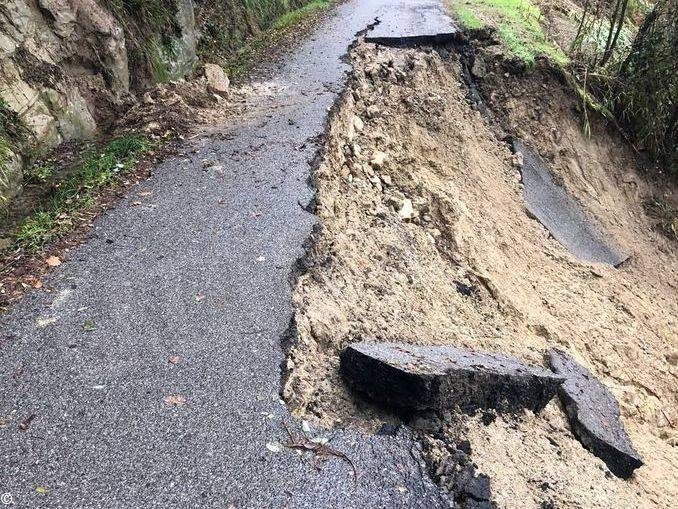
(469,267)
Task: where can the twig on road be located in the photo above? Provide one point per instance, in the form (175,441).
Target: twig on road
(321,452)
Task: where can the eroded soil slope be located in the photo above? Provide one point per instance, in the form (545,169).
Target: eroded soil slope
(425,239)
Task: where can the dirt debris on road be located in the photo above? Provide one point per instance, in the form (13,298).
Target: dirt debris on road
(425,239)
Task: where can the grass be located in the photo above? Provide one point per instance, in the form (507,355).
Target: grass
(293,17)
(98,169)
(665,215)
(517,23)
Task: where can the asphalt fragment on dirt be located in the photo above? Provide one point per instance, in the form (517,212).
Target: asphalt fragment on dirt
(594,415)
(441,377)
(560,214)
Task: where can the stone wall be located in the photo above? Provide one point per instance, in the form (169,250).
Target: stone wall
(68,66)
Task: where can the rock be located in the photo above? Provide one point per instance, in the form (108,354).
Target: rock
(185,56)
(517,160)
(438,377)
(407,210)
(372,111)
(479,69)
(217,81)
(594,415)
(459,475)
(378,159)
(358,124)
(387,179)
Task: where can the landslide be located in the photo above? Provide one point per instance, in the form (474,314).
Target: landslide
(424,238)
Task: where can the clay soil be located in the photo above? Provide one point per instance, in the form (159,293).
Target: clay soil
(468,266)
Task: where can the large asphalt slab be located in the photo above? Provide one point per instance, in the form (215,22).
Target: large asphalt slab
(561,214)
(199,270)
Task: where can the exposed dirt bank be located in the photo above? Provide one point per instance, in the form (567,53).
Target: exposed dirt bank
(425,239)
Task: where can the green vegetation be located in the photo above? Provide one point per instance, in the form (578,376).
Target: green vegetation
(629,74)
(518,24)
(293,17)
(666,216)
(647,85)
(149,13)
(97,170)
(151,31)
(236,33)
(39,173)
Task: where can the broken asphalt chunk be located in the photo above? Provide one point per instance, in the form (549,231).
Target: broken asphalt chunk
(594,415)
(438,377)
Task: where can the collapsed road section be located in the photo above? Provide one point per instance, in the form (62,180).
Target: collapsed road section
(426,244)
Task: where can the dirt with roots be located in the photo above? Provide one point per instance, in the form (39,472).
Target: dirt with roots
(425,239)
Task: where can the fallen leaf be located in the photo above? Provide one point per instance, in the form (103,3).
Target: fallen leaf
(89,325)
(53,261)
(145,193)
(42,490)
(26,423)
(199,297)
(261,259)
(3,423)
(136,203)
(37,285)
(175,400)
(175,359)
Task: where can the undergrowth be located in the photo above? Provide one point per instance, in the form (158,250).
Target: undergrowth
(517,23)
(98,168)
(235,36)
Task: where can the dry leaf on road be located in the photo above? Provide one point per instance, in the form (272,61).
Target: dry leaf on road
(53,261)
(26,423)
(175,400)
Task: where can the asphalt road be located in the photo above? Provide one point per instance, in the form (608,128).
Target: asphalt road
(199,270)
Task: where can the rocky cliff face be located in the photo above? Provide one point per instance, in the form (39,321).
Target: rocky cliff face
(67,66)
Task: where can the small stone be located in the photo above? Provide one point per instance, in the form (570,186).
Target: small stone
(440,377)
(217,81)
(407,210)
(386,179)
(358,124)
(378,159)
(356,149)
(594,415)
(672,358)
(372,111)
(517,160)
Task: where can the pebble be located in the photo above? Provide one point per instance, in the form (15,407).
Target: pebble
(407,210)
(378,159)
